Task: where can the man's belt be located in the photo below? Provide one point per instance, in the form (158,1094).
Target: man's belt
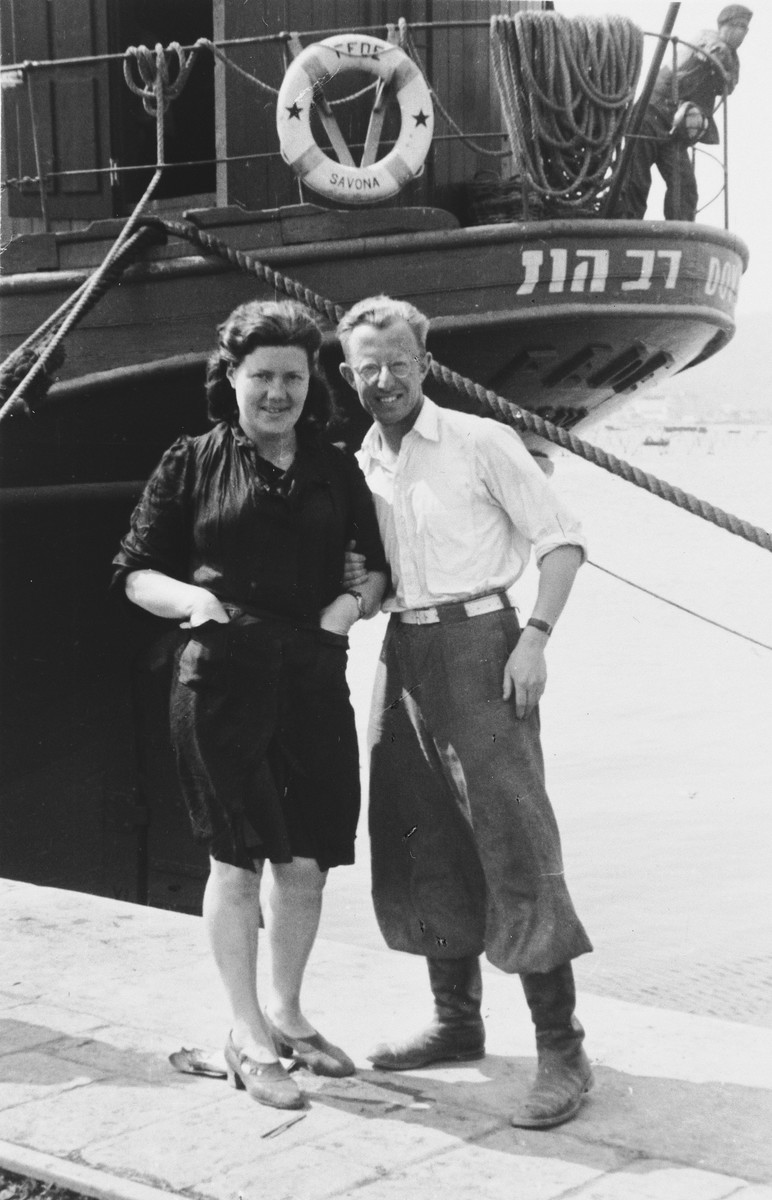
(441,613)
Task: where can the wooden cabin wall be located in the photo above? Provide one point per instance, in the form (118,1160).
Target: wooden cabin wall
(457,63)
(75,106)
(248,124)
(86,117)
(72,107)
(459,67)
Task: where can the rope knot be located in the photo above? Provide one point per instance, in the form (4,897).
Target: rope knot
(19,365)
(160,84)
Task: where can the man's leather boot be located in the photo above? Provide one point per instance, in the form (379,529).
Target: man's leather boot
(456,1034)
(563,1074)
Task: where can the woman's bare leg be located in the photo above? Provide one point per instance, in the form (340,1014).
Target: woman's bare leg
(292,912)
(232,917)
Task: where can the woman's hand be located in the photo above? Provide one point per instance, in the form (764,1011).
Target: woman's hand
(339,616)
(172,599)
(208,608)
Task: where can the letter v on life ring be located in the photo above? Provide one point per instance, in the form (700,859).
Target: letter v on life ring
(340,181)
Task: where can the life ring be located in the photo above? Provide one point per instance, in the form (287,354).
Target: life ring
(339,181)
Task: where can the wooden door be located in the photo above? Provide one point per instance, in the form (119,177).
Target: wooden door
(65,110)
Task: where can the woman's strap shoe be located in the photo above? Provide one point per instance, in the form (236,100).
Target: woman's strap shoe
(267,1083)
(315,1052)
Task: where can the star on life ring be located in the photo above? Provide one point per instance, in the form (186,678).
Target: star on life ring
(340,181)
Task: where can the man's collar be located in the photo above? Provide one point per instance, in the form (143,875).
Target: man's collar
(426,426)
(427,423)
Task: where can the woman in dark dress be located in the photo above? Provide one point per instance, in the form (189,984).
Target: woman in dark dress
(240,535)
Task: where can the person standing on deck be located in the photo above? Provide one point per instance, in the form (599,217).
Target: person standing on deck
(680,113)
(465,848)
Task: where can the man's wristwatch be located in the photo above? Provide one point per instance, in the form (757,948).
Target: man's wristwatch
(359,599)
(543,626)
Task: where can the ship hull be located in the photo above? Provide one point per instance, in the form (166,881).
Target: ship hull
(565,320)
(561,317)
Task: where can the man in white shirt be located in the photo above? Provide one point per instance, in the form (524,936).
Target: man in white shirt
(465,848)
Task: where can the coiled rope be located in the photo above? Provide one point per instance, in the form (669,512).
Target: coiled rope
(157,88)
(487,401)
(566,86)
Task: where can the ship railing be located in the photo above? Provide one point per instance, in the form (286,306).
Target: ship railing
(666,38)
(21,73)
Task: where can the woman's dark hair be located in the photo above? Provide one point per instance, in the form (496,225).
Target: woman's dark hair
(266,323)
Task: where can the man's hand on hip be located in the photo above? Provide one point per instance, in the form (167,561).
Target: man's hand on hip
(525,673)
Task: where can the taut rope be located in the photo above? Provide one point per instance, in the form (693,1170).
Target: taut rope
(488,401)
(26,374)
(603,46)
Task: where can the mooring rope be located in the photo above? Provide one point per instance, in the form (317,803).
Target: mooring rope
(157,91)
(681,607)
(566,86)
(486,400)
(19,364)
(27,372)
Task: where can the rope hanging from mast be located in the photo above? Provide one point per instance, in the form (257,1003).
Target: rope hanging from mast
(566,86)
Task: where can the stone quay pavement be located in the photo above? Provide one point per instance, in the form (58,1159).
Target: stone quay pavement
(96,993)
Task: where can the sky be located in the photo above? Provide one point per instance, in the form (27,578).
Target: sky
(750,131)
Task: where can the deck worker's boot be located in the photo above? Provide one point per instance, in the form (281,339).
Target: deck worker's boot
(457,1032)
(563,1074)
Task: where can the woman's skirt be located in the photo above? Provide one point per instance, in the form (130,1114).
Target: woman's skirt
(264,737)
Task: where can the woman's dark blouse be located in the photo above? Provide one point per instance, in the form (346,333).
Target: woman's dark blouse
(208,517)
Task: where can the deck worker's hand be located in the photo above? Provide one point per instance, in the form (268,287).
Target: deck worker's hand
(354,569)
(525,673)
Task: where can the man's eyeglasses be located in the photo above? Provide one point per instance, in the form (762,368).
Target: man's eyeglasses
(370,372)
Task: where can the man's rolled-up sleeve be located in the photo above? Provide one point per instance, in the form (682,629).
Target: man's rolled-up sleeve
(520,487)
